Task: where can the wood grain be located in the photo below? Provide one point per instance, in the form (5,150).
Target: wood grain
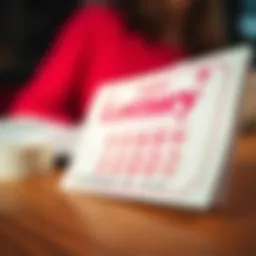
(36,218)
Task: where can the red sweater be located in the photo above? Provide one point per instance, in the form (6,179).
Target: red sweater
(93,47)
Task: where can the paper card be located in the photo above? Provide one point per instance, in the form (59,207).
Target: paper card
(163,137)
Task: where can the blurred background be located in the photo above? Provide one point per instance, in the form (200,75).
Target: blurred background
(27,28)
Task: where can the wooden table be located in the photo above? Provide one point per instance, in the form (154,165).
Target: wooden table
(37,219)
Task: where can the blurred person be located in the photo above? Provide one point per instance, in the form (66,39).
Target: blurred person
(120,39)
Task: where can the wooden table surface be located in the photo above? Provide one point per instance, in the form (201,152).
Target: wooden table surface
(37,219)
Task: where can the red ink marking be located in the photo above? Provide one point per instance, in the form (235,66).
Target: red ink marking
(152,163)
(184,101)
(157,100)
(171,165)
(203,74)
(159,137)
(119,162)
(177,136)
(143,139)
(134,166)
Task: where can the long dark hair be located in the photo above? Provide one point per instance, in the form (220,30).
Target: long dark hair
(204,30)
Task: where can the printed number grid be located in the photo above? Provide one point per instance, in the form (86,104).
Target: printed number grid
(153,154)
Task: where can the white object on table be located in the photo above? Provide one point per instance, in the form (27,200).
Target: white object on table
(27,141)
(163,137)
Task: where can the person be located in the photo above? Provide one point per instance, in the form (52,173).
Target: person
(120,39)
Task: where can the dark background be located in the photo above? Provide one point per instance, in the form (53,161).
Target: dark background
(241,19)
(27,28)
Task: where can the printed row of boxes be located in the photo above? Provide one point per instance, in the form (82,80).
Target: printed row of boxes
(129,157)
(152,138)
